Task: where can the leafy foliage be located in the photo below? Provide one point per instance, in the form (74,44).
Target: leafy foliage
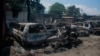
(37,7)
(73,11)
(57,8)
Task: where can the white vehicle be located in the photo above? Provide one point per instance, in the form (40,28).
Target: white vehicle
(33,33)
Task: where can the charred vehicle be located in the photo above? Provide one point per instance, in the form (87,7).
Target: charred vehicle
(30,33)
(83,29)
(96,29)
(69,37)
(36,34)
(83,32)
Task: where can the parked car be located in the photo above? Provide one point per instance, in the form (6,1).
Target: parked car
(83,28)
(84,25)
(68,37)
(30,33)
(82,32)
(96,31)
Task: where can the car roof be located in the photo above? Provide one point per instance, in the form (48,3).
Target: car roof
(28,23)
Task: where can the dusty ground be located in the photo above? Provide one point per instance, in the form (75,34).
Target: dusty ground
(89,47)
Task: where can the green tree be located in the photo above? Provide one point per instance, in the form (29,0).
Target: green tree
(37,7)
(57,8)
(73,11)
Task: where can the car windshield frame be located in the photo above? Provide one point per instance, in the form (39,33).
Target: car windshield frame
(38,28)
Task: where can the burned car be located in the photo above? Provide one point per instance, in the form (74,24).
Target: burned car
(96,31)
(30,33)
(83,28)
(83,32)
(68,37)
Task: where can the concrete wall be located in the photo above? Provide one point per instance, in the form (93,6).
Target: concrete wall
(22,16)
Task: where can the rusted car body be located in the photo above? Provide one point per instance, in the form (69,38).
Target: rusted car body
(29,33)
(83,29)
(96,31)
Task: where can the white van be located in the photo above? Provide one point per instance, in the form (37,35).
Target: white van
(33,33)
